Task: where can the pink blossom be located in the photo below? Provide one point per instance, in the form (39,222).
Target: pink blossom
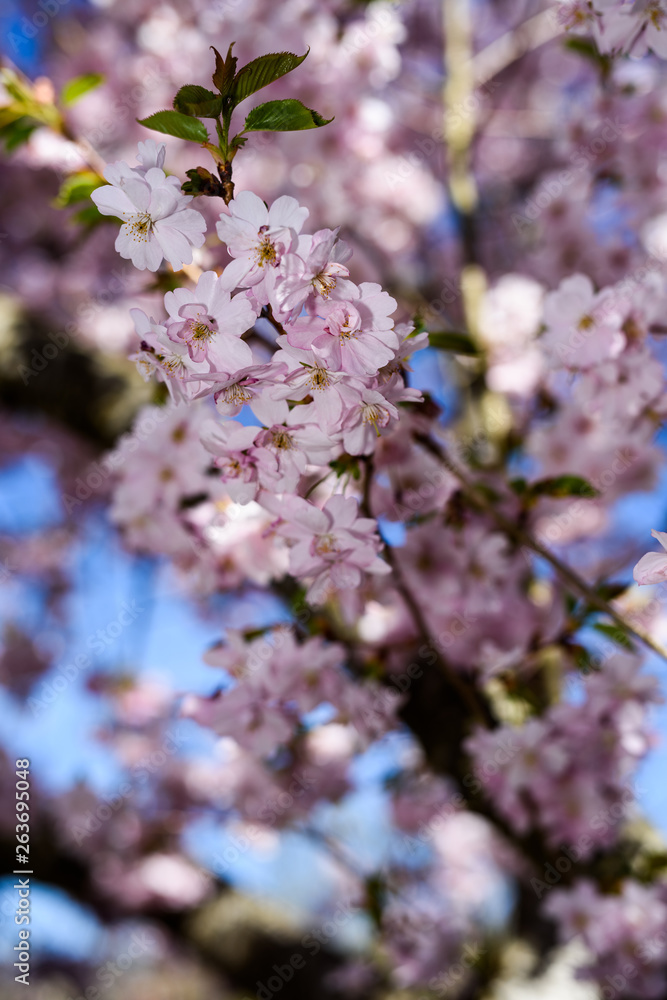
(332,547)
(583,327)
(258,237)
(362,424)
(211,323)
(287,445)
(354,336)
(652,568)
(171,361)
(329,390)
(156,222)
(230,442)
(248,385)
(315,272)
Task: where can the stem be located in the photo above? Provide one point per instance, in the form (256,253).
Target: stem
(480,712)
(468,694)
(530,35)
(222,138)
(523,537)
(267,312)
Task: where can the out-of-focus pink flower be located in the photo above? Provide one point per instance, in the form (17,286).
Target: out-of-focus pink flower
(333,547)
(652,568)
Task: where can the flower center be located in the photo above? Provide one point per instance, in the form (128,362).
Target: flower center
(266,252)
(574,15)
(319,378)
(371,413)
(281,439)
(200,331)
(346,331)
(586,322)
(324,284)
(325,545)
(656,15)
(141,226)
(170,365)
(236,393)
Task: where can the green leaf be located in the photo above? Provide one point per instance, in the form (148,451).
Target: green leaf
(174,123)
(223,78)
(238,141)
(198,101)
(263,71)
(289,115)
(11,113)
(564,486)
(450,340)
(90,216)
(346,464)
(80,85)
(582,658)
(77,187)
(616,634)
(15,133)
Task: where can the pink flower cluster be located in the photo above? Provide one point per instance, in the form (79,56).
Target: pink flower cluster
(625,932)
(277,682)
(565,770)
(331,388)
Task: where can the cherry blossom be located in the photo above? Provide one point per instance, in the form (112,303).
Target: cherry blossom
(331,546)
(258,238)
(315,272)
(652,568)
(211,322)
(156,222)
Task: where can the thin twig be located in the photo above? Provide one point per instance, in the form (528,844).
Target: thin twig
(523,537)
(515,43)
(468,694)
